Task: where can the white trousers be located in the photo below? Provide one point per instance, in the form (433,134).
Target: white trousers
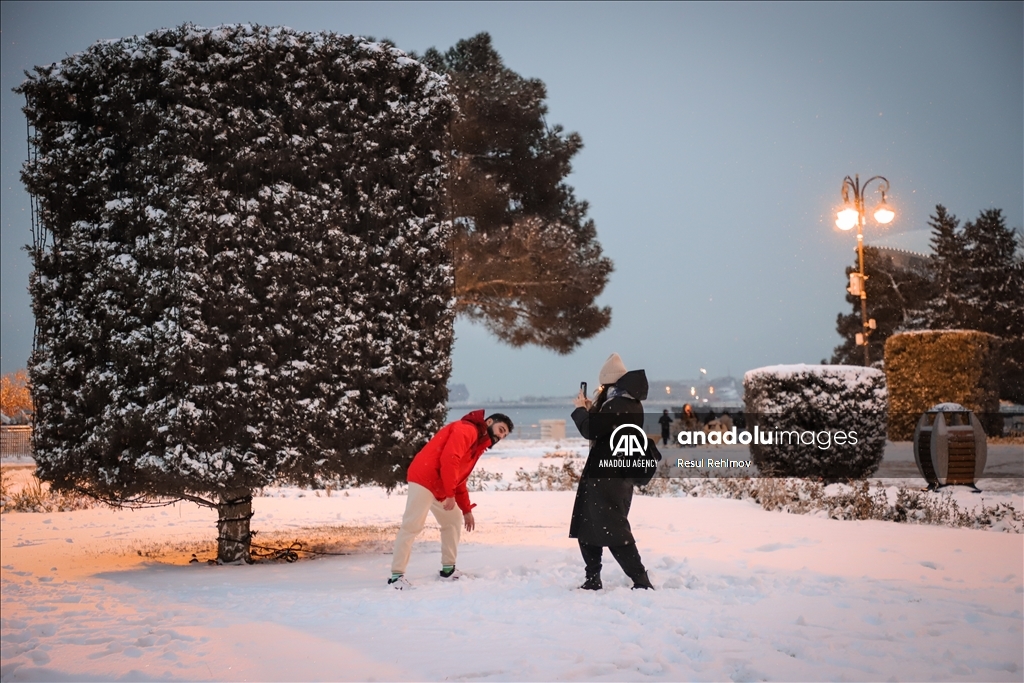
(417,503)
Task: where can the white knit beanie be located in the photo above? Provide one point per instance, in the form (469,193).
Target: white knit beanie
(612,370)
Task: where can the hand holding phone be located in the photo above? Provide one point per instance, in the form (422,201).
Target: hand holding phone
(581,398)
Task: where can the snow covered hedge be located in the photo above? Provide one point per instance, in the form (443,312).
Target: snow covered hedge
(824,421)
(924,368)
(246,278)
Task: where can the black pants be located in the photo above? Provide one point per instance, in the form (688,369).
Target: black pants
(627,556)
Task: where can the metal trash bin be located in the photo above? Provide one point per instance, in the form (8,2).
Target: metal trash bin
(950,446)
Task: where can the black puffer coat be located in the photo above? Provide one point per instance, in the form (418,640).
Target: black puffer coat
(600,514)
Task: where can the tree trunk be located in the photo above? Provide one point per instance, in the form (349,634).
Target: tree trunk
(233,537)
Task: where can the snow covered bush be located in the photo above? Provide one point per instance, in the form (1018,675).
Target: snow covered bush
(855,500)
(925,368)
(824,421)
(245,276)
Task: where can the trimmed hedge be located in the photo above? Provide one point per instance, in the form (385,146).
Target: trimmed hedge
(941,366)
(819,399)
(248,279)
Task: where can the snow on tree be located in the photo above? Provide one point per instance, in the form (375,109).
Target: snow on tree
(245,273)
(894,293)
(943,309)
(978,271)
(818,400)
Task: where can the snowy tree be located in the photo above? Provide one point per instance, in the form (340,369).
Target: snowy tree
(894,295)
(528,263)
(978,276)
(245,274)
(944,308)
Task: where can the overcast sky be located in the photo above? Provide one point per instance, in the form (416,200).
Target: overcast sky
(716,139)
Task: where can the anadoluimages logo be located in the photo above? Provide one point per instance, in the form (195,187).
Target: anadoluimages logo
(626,443)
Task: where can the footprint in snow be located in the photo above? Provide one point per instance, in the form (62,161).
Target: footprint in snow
(772,547)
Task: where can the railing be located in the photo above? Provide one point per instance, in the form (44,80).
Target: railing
(15,441)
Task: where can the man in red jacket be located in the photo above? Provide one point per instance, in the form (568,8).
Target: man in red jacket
(437,483)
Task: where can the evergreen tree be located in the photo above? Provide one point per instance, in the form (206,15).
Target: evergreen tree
(894,295)
(945,308)
(527,261)
(978,276)
(246,278)
(991,290)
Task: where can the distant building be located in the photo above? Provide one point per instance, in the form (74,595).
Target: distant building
(668,390)
(719,391)
(907,260)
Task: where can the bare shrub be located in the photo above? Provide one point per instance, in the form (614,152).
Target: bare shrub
(548,478)
(479,479)
(37,497)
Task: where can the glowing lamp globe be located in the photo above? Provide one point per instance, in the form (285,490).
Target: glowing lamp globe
(846,219)
(883,214)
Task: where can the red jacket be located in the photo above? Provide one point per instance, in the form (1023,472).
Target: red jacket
(444,464)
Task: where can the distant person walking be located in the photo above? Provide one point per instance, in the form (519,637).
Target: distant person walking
(600,513)
(437,483)
(666,427)
(690,420)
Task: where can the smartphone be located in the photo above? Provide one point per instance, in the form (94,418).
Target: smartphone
(583,389)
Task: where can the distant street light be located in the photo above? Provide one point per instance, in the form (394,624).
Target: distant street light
(852,214)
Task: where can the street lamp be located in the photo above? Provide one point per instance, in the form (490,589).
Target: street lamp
(852,214)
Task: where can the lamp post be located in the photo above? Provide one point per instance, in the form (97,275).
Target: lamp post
(852,214)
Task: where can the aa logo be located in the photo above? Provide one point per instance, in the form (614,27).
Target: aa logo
(629,440)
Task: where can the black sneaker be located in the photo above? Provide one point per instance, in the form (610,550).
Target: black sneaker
(452,574)
(593,583)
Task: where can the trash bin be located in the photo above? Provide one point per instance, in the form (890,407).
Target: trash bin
(950,446)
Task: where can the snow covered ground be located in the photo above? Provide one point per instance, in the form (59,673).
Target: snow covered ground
(743,594)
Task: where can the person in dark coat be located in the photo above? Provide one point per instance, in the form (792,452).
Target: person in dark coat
(600,513)
(666,427)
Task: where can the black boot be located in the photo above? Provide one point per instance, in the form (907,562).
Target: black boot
(642,581)
(628,558)
(592,559)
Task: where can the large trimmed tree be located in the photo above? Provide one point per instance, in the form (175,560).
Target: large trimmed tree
(243,274)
